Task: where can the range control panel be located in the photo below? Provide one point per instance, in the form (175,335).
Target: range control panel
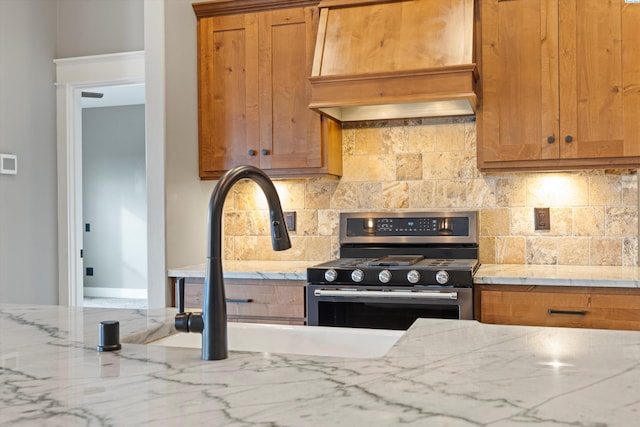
(408,227)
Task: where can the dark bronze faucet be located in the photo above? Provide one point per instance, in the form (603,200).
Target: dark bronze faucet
(212,323)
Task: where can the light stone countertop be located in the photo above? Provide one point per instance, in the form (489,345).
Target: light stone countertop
(277,270)
(440,373)
(558,275)
(497,274)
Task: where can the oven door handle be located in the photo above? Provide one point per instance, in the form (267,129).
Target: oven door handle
(386,294)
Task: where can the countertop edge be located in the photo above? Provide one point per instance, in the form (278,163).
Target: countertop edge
(558,275)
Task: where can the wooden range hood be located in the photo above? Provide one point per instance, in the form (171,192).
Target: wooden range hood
(392,59)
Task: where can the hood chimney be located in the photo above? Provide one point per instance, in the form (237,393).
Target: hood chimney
(392,59)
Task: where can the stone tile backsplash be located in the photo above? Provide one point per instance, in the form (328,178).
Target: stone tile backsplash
(431,164)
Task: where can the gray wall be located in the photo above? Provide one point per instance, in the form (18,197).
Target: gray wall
(28,218)
(32,34)
(114,196)
(92,27)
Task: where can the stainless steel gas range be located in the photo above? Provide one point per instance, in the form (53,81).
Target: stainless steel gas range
(395,268)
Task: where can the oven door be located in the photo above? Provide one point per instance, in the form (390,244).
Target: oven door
(397,308)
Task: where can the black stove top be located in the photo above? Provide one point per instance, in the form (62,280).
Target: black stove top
(403,249)
(375,272)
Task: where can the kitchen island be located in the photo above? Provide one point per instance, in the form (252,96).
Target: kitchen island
(440,373)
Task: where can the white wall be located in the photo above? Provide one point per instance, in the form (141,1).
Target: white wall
(114,197)
(28,221)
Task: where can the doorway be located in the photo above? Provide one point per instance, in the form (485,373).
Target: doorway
(114,200)
(75,75)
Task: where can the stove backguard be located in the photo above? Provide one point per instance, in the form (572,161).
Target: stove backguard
(409,228)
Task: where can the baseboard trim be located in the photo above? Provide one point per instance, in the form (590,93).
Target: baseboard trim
(115,292)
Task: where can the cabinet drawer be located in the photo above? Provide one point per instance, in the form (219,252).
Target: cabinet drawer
(581,307)
(272,300)
(257,301)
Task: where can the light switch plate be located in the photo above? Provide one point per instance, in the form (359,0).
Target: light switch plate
(8,164)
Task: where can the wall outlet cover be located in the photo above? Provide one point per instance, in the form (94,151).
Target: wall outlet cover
(542,220)
(290,220)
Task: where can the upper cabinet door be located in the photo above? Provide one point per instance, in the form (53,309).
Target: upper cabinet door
(228,92)
(600,78)
(561,84)
(290,131)
(520,80)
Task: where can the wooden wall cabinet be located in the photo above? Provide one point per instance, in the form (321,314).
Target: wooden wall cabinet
(254,63)
(561,85)
(577,307)
(253,300)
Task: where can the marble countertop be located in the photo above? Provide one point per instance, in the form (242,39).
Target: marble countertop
(558,275)
(277,270)
(497,274)
(440,373)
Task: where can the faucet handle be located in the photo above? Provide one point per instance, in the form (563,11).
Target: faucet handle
(181,322)
(185,322)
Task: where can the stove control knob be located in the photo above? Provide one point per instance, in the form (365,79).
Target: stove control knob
(413,276)
(442,277)
(357,275)
(384,276)
(330,275)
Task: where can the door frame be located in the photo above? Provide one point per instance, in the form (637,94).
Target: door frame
(72,75)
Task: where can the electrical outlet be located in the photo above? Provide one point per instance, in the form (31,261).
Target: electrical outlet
(290,220)
(89,271)
(542,220)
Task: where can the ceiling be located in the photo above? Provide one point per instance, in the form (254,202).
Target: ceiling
(130,94)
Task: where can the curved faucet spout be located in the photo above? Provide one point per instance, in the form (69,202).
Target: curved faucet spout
(214,309)
(279,236)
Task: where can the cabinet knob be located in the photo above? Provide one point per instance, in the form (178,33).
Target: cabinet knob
(568,138)
(264,151)
(551,139)
(252,152)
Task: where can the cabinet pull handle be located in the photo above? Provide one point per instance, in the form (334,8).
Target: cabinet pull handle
(264,151)
(551,139)
(252,152)
(240,300)
(572,312)
(568,138)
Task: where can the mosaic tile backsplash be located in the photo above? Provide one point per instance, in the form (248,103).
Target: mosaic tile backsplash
(417,165)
